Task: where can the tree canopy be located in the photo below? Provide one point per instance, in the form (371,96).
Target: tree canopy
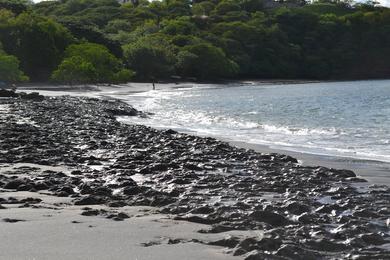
(90,62)
(37,41)
(9,69)
(205,39)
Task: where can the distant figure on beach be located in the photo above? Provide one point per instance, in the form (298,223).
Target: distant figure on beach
(153,83)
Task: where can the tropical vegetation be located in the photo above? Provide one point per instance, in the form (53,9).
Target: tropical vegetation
(97,41)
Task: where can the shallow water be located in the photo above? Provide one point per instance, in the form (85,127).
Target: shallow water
(350,119)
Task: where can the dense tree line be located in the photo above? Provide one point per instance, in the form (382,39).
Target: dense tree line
(78,41)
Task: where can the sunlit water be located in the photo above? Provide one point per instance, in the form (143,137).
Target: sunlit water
(350,119)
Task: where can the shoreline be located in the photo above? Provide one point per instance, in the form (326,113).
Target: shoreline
(184,81)
(74,167)
(87,87)
(368,168)
(376,172)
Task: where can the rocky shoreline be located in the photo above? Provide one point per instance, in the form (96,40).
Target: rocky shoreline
(74,147)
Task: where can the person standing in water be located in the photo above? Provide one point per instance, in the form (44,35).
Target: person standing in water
(154,85)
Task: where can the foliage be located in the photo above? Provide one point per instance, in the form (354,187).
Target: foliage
(90,63)
(74,70)
(15,6)
(150,58)
(206,39)
(38,42)
(9,69)
(92,34)
(206,61)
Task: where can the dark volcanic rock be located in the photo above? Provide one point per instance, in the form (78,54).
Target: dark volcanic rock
(25,187)
(90,212)
(229,242)
(258,255)
(30,200)
(121,216)
(373,239)
(295,252)
(297,208)
(271,218)
(12,220)
(263,244)
(40,186)
(132,190)
(203,210)
(343,173)
(326,245)
(7,93)
(197,219)
(31,96)
(117,204)
(69,190)
(14,184)
(304,212)
(89,200)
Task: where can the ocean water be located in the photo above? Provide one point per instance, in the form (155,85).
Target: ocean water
(348,119)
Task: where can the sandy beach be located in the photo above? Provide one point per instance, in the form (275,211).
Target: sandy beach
(78,184)
(186,130)
(60,232)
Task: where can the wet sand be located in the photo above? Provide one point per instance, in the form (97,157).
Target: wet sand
(375,172)
(62,233)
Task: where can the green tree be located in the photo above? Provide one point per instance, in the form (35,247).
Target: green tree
(252,5)
(203,8)
(149,59)
(178,8)
(179,26)
(117,25)
(185,62)
(9,69)
(262,39)
(206,61)
(90,63)
(75,70)
(93,35)
(227,6)
(38,43)
(16,6)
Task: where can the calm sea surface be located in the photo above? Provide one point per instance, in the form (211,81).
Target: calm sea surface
(350,119)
